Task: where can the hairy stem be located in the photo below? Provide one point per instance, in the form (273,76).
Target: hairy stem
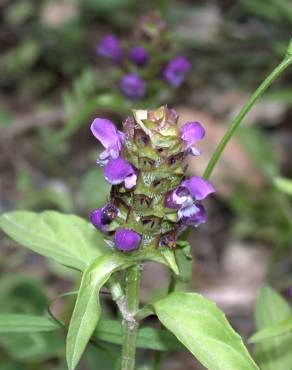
(130,324)
(244,110)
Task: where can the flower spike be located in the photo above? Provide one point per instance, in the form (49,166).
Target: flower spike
(152,200)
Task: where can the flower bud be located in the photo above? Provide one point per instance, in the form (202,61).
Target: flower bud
(139,56)
(110,47)
(132,86)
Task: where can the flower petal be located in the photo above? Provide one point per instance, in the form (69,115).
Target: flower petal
(118,170)
(188,211)
(198,187)
(196,219)
(175,71)
(126,240)
(191,132)
(106,132)
(95,218)
(110,47)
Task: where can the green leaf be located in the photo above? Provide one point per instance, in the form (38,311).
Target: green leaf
(272,309)
(68,239)
(87,309)
(284,185)
(150,338)
(17,323)
(204,330)
(281,328)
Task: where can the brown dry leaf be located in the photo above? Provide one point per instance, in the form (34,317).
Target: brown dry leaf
(234,166)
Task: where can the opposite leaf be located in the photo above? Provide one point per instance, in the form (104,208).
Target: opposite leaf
(68,239)
(87,308)
(281,328)
(203,329)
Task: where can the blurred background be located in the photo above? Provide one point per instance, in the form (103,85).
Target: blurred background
(54,82)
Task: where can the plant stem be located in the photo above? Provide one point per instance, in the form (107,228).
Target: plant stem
(244,110)
(130,324)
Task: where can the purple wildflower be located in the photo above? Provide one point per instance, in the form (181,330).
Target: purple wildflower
(110,47)
(176,69)
(139,56)
(185,196)
(112,139)
(119,170)
(126,240)
(191,132)
(132,86)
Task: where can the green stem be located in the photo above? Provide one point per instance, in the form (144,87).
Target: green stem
(130,324)
(244,110)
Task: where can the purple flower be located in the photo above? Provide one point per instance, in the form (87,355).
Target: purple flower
(132,86)
(191,132)
(139,56)
(176,70)
(110,47)
(101,217)
(126,240)
(112,139)
(119,170)
(185,196)
(196,219)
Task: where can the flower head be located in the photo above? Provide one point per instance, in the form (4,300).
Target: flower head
(176,69)
(132,86)
(139,56)
(112,139)
(151,200)
(126,240)
(118,171)
(110,47)
(191,132)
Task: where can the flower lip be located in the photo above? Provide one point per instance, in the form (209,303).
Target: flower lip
(132,86)
(196,219)
(110,47)
(126,239)
(106,132)
(119,170)
(176,69)
(139,56)
(198,188)
(191,132)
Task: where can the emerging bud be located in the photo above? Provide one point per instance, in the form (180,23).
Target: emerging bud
(152,201)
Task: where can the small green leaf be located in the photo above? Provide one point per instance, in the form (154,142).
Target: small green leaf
(17,323)
(272,309)
(68,239)
(284,185)
(203,329)
(281,328)
(87,309)
(150,338)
